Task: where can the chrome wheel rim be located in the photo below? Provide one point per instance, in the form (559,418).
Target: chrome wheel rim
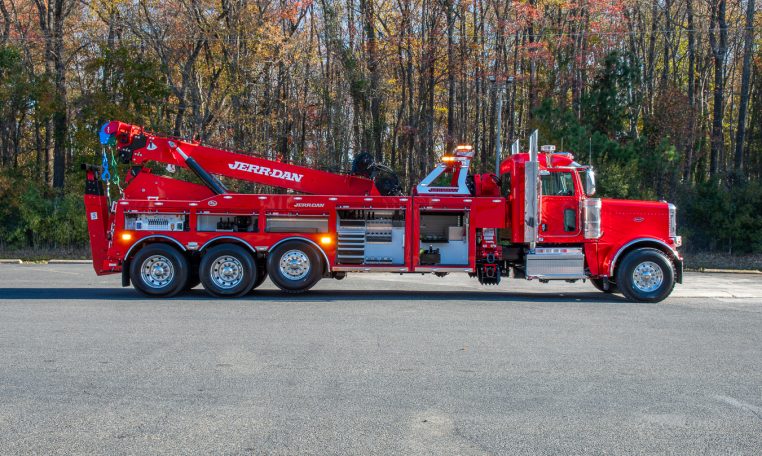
(294,265)
(157,271)
(647,276)
(226,272)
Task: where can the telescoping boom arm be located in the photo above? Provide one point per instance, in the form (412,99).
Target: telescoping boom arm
(136,146)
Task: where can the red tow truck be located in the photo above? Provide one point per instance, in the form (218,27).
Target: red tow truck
(537,219)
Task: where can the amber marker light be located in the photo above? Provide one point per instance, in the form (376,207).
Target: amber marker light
(126,236)
(448,158)
(326,240)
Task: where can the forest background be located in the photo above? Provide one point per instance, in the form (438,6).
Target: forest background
(663,97)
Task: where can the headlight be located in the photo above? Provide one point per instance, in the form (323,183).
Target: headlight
(672,220)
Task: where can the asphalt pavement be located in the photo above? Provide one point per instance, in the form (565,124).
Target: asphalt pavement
(378,364)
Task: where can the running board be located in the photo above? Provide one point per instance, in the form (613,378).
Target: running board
(556,263)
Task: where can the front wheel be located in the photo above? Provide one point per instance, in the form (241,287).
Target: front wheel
(294,266)
(646,275)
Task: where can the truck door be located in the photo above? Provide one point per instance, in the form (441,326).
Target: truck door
(560,207)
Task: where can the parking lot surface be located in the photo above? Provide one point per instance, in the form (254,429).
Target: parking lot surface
(378,364)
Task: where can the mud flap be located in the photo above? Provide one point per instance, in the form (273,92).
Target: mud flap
(126,274)
(678,270)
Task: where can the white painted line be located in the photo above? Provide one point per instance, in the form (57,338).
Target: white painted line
(70,262)
(740,404)
(53,270)
(726,271)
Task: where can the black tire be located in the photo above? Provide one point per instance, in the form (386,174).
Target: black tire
(646,275)
(304,270)
(159,270)
(598,283)
(227,271)
(261,275)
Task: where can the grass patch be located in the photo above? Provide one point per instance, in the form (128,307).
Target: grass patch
(707,260)
(44,254)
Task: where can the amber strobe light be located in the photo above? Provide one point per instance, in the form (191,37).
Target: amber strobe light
(126,236)
(326,240)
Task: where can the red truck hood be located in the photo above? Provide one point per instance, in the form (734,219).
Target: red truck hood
(624,220)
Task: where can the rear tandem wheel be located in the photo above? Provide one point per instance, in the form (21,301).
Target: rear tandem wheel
(159,270)
(227,271)
(294,266)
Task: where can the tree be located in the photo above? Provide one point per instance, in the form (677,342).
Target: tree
(745,82)
(52,16)
(719,45)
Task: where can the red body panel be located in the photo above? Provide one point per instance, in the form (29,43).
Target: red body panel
(147,185)
(624,221)
(99,220)
(98,223)
(482,212)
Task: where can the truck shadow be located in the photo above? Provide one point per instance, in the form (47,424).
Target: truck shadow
(276,296)
(431,295)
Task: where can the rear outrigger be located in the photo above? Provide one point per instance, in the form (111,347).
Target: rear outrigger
(536,220)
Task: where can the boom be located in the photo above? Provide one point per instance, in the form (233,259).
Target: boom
(137,146)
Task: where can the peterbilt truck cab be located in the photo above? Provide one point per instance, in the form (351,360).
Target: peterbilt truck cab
(626,246)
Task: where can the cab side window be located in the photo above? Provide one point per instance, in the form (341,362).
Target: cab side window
(558,184)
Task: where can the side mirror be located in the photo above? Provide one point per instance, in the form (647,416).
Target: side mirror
(590,182)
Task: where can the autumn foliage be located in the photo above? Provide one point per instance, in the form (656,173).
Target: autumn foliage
(664,97)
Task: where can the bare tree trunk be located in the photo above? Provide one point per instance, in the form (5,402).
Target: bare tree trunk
(691,143)
(668,33)
(450,76)
(512,103)
(745,82)
(719,51)
(51,16)
(376,118)
(651,59)
(6,30)
(532,71)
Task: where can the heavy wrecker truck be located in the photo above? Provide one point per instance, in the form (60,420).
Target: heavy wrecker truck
(536,220)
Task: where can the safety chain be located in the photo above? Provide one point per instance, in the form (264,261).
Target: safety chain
(106,175)
(116,172)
